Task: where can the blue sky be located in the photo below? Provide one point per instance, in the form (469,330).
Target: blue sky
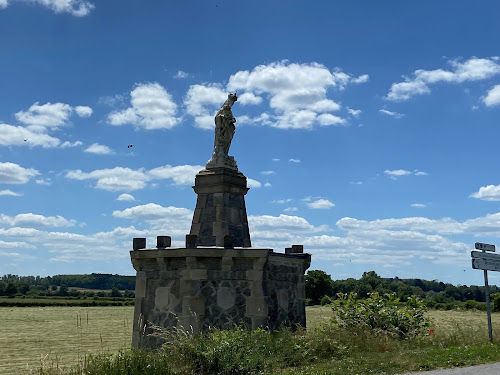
(368,130)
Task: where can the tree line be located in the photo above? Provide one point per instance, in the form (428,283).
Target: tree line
(59,285)
(436,294)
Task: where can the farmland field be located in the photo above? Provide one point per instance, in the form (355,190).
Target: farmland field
(65,335)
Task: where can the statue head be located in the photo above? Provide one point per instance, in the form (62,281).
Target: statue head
(232,97)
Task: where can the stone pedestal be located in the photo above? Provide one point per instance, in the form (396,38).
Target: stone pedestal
(194,289)
(220,209)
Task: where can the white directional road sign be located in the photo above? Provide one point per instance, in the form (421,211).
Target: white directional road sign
(485,261)
(484,246)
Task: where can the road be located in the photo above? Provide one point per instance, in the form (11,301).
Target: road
(491,369)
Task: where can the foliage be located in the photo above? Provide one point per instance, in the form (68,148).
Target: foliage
(133,362)
(382,313)
(318,284)
(235,351)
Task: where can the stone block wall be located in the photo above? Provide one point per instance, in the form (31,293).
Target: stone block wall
(194,289)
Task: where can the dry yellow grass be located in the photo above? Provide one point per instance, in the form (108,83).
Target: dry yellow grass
(29,335)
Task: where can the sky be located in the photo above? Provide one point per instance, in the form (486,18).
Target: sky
(368,130)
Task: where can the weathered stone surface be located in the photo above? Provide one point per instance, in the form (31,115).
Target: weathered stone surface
(197,288)
(220,208)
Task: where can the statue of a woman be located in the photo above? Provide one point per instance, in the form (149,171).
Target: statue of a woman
(224,132)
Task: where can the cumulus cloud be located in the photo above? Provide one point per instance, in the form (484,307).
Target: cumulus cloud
(392,114)
(295,93)
(40,117)
(253,184)
(354,112)
(474,69)
(10,192)
(151,108)
(320,204)
(98,149)
(126,179)
(181,174)
(83,111)
(20,136)
(125,197)
(67,144)
(78,8)
(202,102)
(11,173)
(487,193)
(30,220)
(492,98)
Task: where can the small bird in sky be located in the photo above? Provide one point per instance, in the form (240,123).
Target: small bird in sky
(25,140)
(129,146)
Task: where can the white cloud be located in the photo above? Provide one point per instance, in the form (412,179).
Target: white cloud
(297,93)
(326,119)
(397,172)
(11,173)
(39,117)
(294,160)
(126,179)
(253,184)
(474,69)
(98,149)
(19,136)
(354,112)
(115,179)
(361,79)
(267,173)
(283,201)
(67,144)
(78,8)
(321,204)
(125,197)
(493,97)
(392,114)
(181,174)
(202,102)
(42,181)
(10,192)
(181,75)
(418,205)
(83,111)
(291,209)
(267,184)
(420,173)
(356,183)
(30,220)
(151,108)
(249,98)
(488,193)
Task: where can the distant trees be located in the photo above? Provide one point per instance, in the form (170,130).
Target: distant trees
(435,294)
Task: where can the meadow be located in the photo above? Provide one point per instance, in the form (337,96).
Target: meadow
(61,337)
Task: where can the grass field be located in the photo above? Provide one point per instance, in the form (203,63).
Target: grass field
(65,335)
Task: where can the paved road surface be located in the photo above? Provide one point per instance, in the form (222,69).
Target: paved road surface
(491,369)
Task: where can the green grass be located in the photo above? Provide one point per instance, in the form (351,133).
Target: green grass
(60,336)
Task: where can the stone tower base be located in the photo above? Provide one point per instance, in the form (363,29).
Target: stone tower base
(197,288)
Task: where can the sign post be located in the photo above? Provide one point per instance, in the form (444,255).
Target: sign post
(485,261)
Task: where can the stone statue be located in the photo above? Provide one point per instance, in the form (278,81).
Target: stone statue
(224,132)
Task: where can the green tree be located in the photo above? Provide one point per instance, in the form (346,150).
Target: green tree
(10,290)
(318,284)
(115,292)
(63,290)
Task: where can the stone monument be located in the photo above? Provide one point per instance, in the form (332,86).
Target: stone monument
(217,279)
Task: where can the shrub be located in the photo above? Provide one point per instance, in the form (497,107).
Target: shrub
(382,313)
(236,351)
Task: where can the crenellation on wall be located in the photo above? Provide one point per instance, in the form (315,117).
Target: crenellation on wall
(194,289)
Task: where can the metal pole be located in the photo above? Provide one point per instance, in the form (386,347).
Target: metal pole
(488,306)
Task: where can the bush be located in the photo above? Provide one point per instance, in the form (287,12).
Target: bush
(236,351)
(325,301)
(382,313)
